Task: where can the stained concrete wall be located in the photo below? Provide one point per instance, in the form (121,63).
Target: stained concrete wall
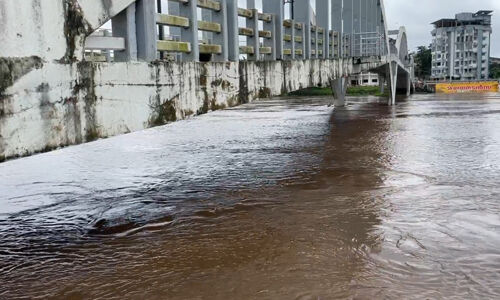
(52,29)
(50,105)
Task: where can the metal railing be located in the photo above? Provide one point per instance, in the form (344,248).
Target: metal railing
(365,44)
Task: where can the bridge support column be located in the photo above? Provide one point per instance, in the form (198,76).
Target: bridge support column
(393,77)
(408,85)
(339,89)
(381,83)
(123,25)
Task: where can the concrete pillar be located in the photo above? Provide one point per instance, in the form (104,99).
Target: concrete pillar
(339,89)
(275,7)
(393,78)
(408,85)
(356,13)
(233,30)
(290,44)
(221,38)
(146,30)
(123,25)
(175,32)
(190,10)
(254,41)
(323,20)
(271,42)
(173,9)
(336,15)
(347,16)
(381,83)
(302,10)
(337,21)
(302,45)
(107,53)
(314,46)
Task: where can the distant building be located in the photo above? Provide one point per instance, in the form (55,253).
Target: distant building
(364,79)
(461,47)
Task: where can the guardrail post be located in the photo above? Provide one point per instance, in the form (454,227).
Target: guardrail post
(253,41)
(302,10)
(233,37)
(275,7)
(146,30)
(123,25)
(190,10)
(221,38)
(323,20)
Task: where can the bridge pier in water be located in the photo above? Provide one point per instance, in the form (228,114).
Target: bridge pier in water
(339,88)
(55,90)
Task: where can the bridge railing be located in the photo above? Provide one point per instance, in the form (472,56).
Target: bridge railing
(364,44)
(99,46)
(265,34)
(294,47)
(317,41)
(254,49)
(334,44)
(187,20)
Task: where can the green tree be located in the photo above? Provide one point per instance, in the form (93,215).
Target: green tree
(495,71)
(423,62)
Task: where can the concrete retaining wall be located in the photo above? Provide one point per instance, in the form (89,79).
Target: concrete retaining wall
(46,105)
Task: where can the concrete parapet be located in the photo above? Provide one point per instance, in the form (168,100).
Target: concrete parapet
(49,105)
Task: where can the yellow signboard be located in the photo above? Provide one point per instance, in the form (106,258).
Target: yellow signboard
(467,87)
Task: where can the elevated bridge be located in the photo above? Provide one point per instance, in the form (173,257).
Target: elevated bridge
(166,60)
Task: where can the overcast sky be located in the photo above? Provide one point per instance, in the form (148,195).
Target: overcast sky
(417,15)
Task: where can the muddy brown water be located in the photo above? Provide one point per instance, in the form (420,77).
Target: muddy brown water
(280,199)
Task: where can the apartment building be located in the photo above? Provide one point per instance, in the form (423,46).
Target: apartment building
(461,47)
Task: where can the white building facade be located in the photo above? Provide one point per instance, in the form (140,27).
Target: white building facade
(461,47)
(364,79)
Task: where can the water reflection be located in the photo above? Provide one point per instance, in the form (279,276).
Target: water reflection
(280,199)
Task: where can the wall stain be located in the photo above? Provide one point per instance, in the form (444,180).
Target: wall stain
(76,28)
(164,112)
(85,87)
(13,68)
(243,95)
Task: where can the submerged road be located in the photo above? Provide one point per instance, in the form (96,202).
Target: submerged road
(280,199)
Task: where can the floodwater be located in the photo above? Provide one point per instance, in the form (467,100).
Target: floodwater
(280,199)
